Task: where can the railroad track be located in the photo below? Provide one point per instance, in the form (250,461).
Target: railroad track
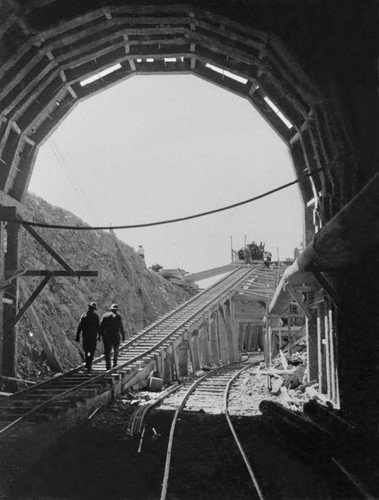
(210,393)
(56,395)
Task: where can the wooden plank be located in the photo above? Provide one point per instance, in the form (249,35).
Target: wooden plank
(123,30)
(249,318)
(230,24)
(62,27)
(43,272)
(15,59)
(327,354)
(209,273)
(335,391)
(222,335)
(229,34)
(34,87)
(47,108)
(20,75)
(225,49)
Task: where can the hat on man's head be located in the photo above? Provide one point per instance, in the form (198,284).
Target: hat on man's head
(114,307)
(93,305)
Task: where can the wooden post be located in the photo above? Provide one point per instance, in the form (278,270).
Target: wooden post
(209,337)
(289,335)
(320,349)
(312,349)
(334,375)
(241,327)
(182,353)
(327,353)
(230,333)
(215,352)
(193,348)
(269,345)
(266,346)
(175,363)
(234,330)
(204,342)
(2,278)
(159,366)
(222,335)
(8,360)
(248,336)
(167,364)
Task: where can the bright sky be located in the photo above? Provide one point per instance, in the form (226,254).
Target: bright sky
(160,147)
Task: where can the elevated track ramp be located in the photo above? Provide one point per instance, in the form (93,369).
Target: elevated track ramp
(197,333)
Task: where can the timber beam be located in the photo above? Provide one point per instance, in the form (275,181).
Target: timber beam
(44,272)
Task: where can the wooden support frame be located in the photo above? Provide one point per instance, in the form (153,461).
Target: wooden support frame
(222,335)
(9,299)
(193,344)
(9,285)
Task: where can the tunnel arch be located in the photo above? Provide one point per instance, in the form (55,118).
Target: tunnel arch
(54,49)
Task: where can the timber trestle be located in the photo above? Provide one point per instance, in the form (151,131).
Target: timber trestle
(198,332)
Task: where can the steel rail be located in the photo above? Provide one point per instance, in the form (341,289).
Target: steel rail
(172,431)
(233,431)
(180,408)
(215,292)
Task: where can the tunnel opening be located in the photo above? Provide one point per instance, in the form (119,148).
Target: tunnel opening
(330,107)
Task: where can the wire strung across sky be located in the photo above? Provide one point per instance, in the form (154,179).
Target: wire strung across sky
(170,221)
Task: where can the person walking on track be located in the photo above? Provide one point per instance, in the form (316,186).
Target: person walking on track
(111,328)
(89,327)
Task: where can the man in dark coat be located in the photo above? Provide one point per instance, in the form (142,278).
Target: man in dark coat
(89,325)
(110,329)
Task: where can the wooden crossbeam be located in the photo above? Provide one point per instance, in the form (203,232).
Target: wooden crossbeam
(44,272)
(248,318)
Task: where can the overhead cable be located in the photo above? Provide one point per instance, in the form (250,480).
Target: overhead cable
(170,221)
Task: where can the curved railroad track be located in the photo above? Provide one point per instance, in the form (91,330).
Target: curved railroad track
(56,395)
(210,393)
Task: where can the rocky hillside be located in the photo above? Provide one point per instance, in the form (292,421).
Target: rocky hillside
(46,333)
